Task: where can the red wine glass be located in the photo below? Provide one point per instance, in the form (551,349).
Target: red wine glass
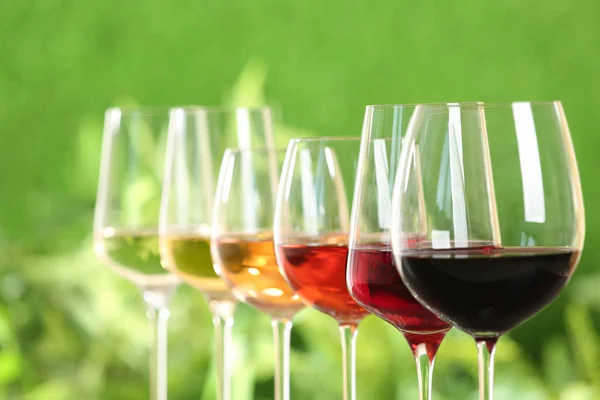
(487,215)
(311,233)
(372,277)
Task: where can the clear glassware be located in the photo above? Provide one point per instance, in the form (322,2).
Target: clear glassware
(198,138)
(126,218)
(372,277)
(242,246)
(487,215)
(311,227)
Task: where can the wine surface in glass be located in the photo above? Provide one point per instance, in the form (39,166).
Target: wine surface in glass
(134,254)
(188,256)
(375,284)
(317,272)
(487,291)
(247,263)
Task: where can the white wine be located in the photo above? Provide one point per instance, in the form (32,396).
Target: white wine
(188,257)
(133,254)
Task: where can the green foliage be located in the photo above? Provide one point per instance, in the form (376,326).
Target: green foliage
(69,328)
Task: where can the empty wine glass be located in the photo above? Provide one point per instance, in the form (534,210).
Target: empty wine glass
(197,140)
(497,209)
(311,233)
(126,218)
(242,246)
(373,279)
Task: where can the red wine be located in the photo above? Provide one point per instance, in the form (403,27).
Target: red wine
(488,291)
(375,284)
(318,275)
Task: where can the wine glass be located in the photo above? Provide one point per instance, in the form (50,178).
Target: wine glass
(197,141)
(372,277)
(311,233)
(126,218)
(242,246)
(498,213)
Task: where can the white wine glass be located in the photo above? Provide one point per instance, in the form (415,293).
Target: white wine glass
(197,141)
(126,218)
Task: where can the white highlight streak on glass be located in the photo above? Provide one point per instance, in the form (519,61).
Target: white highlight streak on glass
(384,208)
(309,196)
(180,174)
(207,184)
(243,131)
(531,167)
(227,178)
(457,176)
(440,239)
(335,173)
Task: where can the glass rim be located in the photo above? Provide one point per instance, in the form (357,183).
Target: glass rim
(467,104)
(165,110)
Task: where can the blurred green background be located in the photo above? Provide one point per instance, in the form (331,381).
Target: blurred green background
(69,328)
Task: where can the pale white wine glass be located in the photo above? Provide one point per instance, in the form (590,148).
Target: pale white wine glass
(126,218)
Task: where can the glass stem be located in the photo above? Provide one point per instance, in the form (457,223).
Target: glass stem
(424,371)
(281,339)
(223,321)
(348,334)
(486,349)
(158,316)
